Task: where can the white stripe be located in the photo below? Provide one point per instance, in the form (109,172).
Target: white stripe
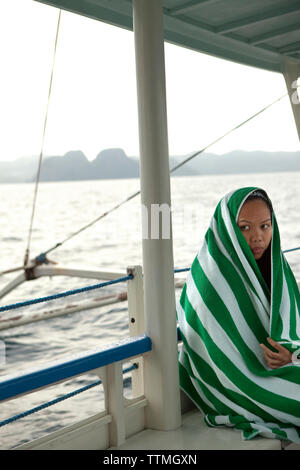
(297,319)
(264,430)
(224,420)
(294,299)
(292,435)
(295,296)
(284,310)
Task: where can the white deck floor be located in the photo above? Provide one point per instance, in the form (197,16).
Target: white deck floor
(194,434)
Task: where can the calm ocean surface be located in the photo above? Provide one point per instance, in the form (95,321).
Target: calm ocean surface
(113,243)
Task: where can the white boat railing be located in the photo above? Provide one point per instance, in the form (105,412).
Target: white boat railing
(122,417)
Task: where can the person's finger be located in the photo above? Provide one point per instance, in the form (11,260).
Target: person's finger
(276,345)
(268,352)
(274,364)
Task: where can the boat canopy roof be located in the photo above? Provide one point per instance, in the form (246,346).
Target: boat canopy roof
(259,33)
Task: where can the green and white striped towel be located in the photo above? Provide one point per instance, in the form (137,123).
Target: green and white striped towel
(224,313)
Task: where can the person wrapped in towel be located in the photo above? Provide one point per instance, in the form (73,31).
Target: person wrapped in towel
(238,316)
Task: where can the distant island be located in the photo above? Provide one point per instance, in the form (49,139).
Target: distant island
(114,163)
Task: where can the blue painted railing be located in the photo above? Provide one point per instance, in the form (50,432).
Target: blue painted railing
(63,370)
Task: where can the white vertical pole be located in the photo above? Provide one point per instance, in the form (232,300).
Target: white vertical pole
(135,292)
(291,74)
(161,365)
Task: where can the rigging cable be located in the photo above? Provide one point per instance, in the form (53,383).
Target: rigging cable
(195,154)
(42,257)
(26,259)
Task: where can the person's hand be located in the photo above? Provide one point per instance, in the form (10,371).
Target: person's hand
(276,359)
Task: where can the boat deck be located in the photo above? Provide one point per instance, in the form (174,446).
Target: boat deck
(194,434)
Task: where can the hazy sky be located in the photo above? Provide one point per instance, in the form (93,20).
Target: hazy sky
(93,102)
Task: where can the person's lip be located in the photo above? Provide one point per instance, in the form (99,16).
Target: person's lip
(257,250)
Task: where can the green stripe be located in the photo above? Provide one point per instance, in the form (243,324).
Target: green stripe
(250,433)
(210,420)
(277,271)
(237,198)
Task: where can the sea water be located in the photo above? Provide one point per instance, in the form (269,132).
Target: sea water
(113,243)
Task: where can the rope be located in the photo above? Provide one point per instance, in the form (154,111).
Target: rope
(63,294)
(90,224)
(42,148)
(188,269)
(171,171)
(180,270)
(227,133)
(58,400)
(291,249)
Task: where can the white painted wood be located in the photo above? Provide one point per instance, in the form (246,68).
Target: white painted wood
(84,272)
(135,415)
(135,293)
(291,74)
(136,318)
(13,284)
(89,434)
(59,270)
(161,367)
(115,403)
(103,429)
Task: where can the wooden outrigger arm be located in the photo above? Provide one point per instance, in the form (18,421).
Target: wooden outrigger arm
(13,284)
(34,271)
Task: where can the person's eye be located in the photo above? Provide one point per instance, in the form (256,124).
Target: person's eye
(244,227)
(265,226)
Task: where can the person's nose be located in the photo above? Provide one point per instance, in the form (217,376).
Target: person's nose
(257,234)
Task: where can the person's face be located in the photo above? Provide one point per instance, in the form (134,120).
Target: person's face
(256,225)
